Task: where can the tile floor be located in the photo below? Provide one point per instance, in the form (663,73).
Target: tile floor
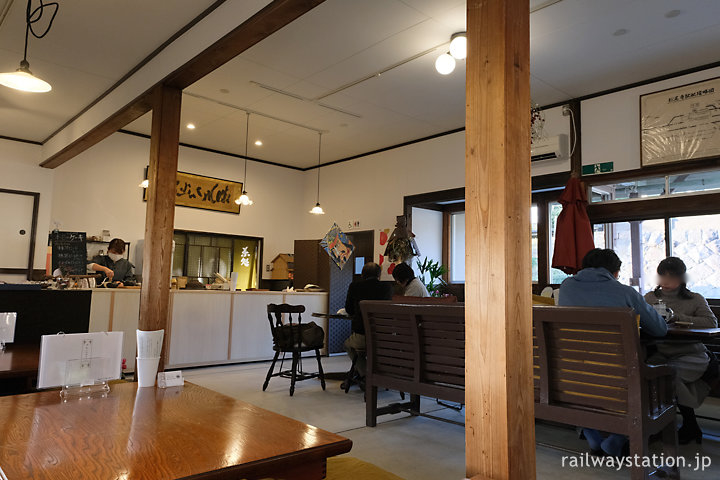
(416,448)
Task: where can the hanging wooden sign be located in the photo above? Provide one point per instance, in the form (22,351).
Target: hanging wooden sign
(208,193)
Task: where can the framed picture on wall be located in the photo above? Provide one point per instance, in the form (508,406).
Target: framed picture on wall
(207,193)
(680,123)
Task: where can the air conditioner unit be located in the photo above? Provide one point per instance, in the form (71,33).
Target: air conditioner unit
(549,148)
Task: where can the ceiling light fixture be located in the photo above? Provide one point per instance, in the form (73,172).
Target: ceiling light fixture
(317,209)
(22,78)
(190,126)
(445,64)
(258,143)
(244,199)
(458,46)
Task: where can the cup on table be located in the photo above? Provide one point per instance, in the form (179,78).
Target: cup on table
(147,371)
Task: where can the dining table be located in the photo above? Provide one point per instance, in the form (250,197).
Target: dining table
(186,432)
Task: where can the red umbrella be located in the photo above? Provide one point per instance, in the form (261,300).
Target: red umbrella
(574,235)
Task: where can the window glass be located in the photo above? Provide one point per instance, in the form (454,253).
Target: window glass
(534,237)
(694,182)
(696,240)
(643,188)
(457,247)
(641,246)
(556,276)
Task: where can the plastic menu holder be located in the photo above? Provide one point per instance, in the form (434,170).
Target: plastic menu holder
(80,363)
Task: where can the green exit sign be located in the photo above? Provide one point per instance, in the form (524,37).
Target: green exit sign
(596,168)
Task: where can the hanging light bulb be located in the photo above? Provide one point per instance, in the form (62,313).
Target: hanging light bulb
(458,46)
(22,78)
(244,199)
(445,64)
(317,209)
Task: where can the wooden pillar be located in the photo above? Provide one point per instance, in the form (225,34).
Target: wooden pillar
(499,423)
(160,211)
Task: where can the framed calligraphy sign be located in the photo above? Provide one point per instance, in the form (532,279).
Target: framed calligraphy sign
(208,193)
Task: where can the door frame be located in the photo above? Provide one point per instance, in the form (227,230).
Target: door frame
(33,233)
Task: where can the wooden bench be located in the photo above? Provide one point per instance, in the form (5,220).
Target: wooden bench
(589,372)
(413,348)
(588,365)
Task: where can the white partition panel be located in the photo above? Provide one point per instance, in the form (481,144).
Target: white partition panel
(200,325)
(251,338)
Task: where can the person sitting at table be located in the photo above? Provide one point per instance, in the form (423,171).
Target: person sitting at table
(369,287)
(691,359)
(405,277)
(596,285)
(114,266)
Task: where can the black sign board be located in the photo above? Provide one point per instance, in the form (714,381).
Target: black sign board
(69,252)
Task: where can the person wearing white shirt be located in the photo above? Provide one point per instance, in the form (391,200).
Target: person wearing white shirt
(405,277)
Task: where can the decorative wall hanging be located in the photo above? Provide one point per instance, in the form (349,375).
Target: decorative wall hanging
(401,246)
(679,124)
(208,193)
(338,246)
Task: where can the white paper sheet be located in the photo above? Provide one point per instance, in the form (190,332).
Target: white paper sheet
(79,358)
(7,327)
(149,343)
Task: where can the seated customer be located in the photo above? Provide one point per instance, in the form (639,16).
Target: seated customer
(114,266)
(596,285)
(369,287)
(405,277)
(690,359)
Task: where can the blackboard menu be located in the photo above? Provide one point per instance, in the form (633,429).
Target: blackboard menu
(69,252)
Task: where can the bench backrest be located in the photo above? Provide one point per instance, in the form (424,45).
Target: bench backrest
(587,358)
(415,343)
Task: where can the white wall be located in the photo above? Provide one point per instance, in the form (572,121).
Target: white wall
(371,189)
(19,170)
(99,190)
(611,123)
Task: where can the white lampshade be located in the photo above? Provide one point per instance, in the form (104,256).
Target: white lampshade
(317,210)
(244,200)
(445,64)
(458,46)
(144,184)
(23,79)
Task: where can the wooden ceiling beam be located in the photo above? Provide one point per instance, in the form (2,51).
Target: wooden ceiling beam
(264,23)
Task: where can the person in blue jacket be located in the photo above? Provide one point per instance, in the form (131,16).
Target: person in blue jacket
(596,285)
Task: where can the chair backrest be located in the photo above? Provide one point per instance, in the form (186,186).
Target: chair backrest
(276,314)
(416,342)
(587,358)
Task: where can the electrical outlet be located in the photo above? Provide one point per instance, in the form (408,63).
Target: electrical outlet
(268,267)
(566,111)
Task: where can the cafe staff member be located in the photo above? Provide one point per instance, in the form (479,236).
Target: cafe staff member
(114,266)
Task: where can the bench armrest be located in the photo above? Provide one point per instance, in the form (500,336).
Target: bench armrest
(650,372)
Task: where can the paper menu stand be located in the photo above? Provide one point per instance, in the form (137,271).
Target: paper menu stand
(80,363)
(7,328)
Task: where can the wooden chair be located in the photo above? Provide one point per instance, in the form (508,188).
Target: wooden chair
(589,372)
(287,338)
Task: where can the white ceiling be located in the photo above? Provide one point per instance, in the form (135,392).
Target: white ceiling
(573,53)
(92,45)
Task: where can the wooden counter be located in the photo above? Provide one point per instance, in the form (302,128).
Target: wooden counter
(207,327)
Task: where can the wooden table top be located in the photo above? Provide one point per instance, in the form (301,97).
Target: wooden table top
(19,360)
(151,433)
(693,332)
(337,316)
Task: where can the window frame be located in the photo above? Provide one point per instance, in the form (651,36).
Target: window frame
(259,260)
